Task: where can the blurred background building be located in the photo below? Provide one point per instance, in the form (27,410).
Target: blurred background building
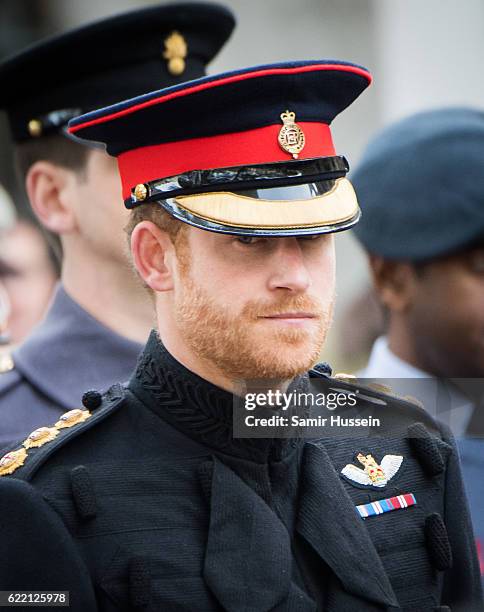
(422,55)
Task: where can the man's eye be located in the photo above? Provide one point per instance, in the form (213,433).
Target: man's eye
(310,237)
(247,239)
(477,261)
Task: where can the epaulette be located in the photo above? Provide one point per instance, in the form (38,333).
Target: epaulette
(378,394)
(25,459)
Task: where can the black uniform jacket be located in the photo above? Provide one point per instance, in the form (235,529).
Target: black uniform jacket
(152,504)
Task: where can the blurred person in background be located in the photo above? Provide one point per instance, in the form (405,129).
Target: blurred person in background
(7,221)
(101,314)
(361,324)
(29,275)
(421,188)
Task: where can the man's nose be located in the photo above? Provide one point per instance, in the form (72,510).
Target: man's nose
(289,269)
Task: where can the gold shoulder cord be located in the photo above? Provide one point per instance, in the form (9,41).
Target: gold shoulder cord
(15,459)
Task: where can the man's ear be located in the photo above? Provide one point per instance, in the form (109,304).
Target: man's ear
(394,282)
(153,255)
(50,191)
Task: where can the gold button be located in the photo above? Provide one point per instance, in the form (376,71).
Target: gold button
(35,128)
(176,66)
(140,192)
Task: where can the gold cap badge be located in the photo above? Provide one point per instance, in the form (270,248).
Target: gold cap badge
(35,128)
(40,436)
(291,138)
(175,52)
(73,417)
(12,460)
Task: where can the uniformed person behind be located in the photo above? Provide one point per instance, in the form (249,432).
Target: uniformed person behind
(7,222)
(420,185)
(145,498)
(100,316)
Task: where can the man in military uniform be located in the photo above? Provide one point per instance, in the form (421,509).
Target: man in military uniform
(420,185)
(147,498)
(100,316)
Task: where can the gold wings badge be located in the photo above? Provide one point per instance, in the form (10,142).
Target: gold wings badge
(373,474)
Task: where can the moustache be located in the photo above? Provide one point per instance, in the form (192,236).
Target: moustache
(256,309)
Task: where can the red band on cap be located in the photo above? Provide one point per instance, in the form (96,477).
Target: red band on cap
(259,146)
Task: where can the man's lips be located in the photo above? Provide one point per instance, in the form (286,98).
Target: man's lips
(291,315)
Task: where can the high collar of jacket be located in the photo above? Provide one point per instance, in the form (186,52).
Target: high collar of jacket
(198,408)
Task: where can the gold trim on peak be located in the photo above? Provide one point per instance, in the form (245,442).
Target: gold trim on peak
(227,208)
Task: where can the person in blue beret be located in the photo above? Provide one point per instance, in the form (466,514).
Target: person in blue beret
(164,493)
(100,317)
(420,184)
